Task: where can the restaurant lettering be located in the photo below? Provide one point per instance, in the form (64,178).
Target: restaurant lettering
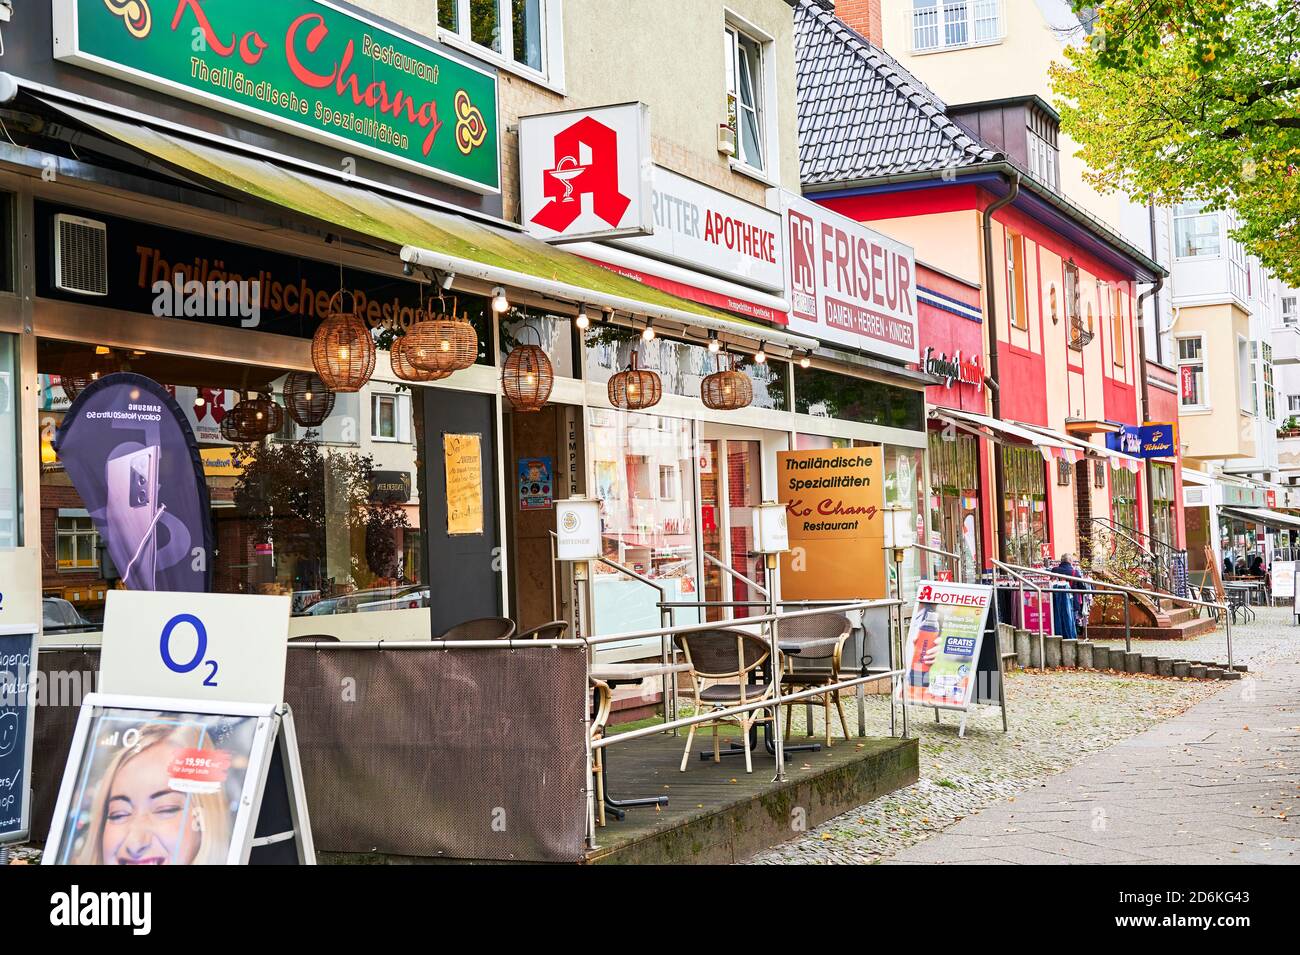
(955,370)
(325,73)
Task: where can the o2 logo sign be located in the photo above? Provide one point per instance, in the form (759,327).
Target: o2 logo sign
(200,651)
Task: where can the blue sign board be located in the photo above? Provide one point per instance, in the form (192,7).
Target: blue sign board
(17,679)
(1128,440)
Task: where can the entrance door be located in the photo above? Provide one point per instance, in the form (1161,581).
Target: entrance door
(731,486)
(462,532)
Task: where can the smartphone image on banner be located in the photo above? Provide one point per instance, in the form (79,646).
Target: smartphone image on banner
(133,516)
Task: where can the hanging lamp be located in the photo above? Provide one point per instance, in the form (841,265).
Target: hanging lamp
(527,376)
(406,370)
(442,342)
(306,399)
(635,389)
(343,351)
(727,389)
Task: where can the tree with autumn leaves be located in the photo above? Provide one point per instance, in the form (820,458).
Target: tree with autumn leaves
(1194,100)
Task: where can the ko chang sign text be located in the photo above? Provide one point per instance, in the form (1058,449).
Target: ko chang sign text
(848,284)
(307,67)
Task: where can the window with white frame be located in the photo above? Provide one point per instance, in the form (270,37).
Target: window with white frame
(746,80)
(76,541)
(1270,389)
(1192,391)
(390,418)
(1196,232)
(1293,403)
(940,25)
(516,31)
(1289,313)
(1246,378)
(667,483)
(1042,160)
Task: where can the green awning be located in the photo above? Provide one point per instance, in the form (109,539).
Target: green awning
(496,254)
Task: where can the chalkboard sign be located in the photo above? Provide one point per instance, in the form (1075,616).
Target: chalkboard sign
(17,670)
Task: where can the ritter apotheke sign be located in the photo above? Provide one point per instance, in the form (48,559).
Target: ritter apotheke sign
(303,66)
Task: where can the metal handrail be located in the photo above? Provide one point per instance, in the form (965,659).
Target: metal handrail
(1224,607)
(954,558)
(1042,634)
(1124,528)
(736,574)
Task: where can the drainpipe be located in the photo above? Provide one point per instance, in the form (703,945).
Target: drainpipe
(1152,293)
(991,320)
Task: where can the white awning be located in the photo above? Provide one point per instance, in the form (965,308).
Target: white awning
(970,421)
(1257,516)
(1118,459)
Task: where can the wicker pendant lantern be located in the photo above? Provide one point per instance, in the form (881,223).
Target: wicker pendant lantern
(405,369)
(342,351)
(252,419)
(306,399)
(727,390)
(634,389)
(527,378)
(442,343)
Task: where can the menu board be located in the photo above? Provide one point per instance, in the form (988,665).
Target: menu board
(17,670)
(463,458)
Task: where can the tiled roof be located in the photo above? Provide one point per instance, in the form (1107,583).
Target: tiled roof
(862,115)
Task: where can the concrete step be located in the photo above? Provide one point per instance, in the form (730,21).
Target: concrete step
(1178,631)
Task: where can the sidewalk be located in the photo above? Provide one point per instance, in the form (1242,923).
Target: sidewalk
(1216,785)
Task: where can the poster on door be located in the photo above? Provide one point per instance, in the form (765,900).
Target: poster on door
(942,651)
(1036,612)
(536,484)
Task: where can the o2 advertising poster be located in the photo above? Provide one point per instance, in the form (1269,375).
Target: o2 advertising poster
(157,789)
(132,457)
(942,652)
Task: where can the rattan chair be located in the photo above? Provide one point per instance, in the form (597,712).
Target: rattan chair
(484,628)
(555,630)
(728,660)
(822,638)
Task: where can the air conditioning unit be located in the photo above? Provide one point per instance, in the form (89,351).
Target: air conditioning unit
(80,255)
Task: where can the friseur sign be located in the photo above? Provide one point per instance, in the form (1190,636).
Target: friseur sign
(307,67)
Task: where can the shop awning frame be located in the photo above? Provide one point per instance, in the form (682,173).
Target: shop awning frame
(1117,458)
(1252,515)
(494,253)
(970,421)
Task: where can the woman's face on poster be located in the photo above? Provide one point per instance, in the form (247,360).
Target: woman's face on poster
(147,822)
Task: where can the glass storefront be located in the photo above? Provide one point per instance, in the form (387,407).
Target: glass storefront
(1124,505)
(1163,510)
(955,486)
(10,519)
(643,469)
(1024,504)
(298,514)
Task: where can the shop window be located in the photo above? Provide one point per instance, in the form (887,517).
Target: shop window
(554,333)
(681,365)
(1024,504)
(516,31)
(10,515)
(1117,325)
(1124,498)
(955,485)
(746,86)
(390,418)
(1193,388)
(76,542)
(300,515)
(8,242)
(1196,232)
(642,529)
(1019,312)
(1163,510)
(825,394)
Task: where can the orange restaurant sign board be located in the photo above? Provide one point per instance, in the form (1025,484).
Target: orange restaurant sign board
(833,501)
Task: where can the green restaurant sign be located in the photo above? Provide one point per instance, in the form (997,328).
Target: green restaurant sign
(303,66)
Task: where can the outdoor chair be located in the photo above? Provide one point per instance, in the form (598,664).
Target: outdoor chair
(729,661)
(484,628)
(603,700)
(555,630)
(821,639)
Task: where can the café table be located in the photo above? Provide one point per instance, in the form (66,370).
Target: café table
(626,674)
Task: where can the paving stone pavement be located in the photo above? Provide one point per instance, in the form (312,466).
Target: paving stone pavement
(1214,786)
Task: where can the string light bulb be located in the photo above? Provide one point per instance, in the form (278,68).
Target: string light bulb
(583,321)
(649,334)
(499,301)
(761,357)
(806,360)
(715,346)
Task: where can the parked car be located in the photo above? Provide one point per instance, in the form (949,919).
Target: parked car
(60,616)
(409,598)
